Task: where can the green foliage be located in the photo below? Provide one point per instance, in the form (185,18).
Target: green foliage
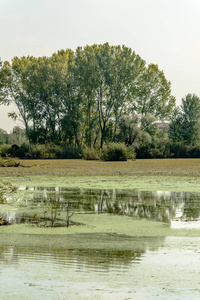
(6,190)
(185,121)
(23,151)
(17,136)
(52,207)
(131,153)
(159,149)
(167,150)
(5,150)
(154,94)
(9,162)
(90,154)
(114,152)
(3,137)
(54,152)
(136,129)
(78,97)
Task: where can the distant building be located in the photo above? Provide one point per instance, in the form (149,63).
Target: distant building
(163,126)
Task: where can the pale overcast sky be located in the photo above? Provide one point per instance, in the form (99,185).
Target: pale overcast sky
(163,32)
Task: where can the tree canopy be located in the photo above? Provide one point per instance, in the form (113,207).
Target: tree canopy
(185,121)
(80,97)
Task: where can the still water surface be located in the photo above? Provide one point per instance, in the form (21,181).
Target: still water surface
(162,268)
(168,207)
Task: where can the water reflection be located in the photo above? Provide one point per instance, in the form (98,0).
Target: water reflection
(154,270)
(158,206)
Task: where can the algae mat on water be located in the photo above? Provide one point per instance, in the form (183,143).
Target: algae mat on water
(148,174)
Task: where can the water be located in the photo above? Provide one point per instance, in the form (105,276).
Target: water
(33,273)
(43,267)
(167,207)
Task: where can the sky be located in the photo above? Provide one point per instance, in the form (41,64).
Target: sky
(162,32)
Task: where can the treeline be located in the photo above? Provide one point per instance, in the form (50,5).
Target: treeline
(94,96)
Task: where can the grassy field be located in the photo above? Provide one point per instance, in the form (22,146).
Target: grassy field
(152,174)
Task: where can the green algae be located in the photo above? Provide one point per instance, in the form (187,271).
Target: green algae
(107,224)
(143,183)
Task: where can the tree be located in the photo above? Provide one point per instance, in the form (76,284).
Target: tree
(79,98)
(136,129)
(154,94)
(119,71)
(87,72)
(185,122)
(4,75)
(3,137)
(175,128)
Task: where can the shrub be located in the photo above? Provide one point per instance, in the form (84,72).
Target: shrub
(90,154)
(22,152)
(114,152)
(71,153)
(54,152)
(153,150)
(195,153)
(9,162)
(131,153)
(6,190)
(179,150)
(5,150)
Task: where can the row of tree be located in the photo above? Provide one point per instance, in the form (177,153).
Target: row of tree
(97,94)
(17,136)
(87,96)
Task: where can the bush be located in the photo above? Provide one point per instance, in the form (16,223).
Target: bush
(22,152)
(114,152)
(195,153)
(5,150)
(52,151)
(153,150)
(179,150)
(90,154)
(9,162)
(46,151)
(71,153)
(131,153)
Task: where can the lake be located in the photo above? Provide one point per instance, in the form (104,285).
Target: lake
(103,264)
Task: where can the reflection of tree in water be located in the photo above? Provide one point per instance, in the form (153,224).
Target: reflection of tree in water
(159,206)
(131,203)
(91,258)
(191,207)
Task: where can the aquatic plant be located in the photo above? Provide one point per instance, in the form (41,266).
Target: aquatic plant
(6,190)
(51,206)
